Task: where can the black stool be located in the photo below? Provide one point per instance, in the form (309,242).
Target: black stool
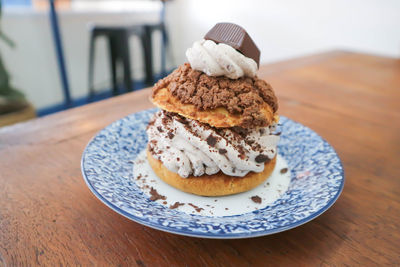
(118,44)
(150,28)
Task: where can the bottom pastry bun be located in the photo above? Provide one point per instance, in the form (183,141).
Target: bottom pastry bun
(218,184)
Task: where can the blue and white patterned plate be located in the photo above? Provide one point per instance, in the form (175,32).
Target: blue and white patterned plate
(316,181)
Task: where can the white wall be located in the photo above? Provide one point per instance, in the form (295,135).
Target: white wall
(282,30)
(289,28)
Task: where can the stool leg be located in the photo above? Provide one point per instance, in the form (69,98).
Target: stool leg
(164,45)
(125,57)
(148,57)
(91,66)
(113,63)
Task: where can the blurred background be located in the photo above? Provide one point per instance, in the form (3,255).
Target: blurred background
(46,46)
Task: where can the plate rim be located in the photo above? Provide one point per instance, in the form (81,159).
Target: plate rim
(210,235)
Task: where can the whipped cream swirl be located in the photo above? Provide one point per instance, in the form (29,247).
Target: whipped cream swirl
(220,60)
(188,147)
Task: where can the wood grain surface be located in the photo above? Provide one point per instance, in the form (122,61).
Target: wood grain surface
(49,217)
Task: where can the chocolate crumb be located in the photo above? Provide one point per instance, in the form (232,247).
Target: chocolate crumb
(154,142)
(261,158)
(180,118)
(226,209)
(139,176)
(244,96)
(170,135)
(284,170)
(249,142)
(155,195)
(240,131)
(256,199)
(151,123)
(211,140)
(160,129)
(165,202)
(222,151)
(195,207)
(176,205)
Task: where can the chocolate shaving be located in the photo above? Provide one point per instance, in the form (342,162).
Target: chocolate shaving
(176,205)
(222,151)
(211,140)
(256,199)
(249,142)
(151,123)
(261,158)
(154,142)
(284,170)
(170,134)
(240,130)
(195,207)
(179,118)
(155,195)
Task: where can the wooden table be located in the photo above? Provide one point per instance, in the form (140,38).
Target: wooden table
(48,216)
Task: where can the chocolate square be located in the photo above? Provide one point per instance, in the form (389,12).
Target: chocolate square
(235,36)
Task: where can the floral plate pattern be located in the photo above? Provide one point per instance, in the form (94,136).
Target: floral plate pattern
(317,180)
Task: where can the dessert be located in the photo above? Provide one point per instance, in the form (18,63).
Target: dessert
(215,132)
